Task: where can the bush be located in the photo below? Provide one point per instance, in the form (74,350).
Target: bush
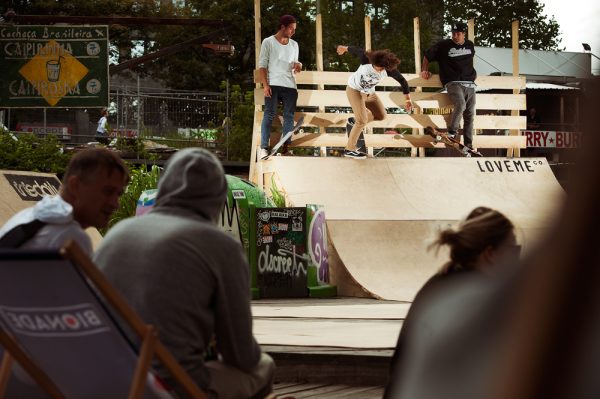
(33,153)
(140,179)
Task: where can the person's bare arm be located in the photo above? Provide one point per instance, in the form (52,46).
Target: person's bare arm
(264,81)
(425,74)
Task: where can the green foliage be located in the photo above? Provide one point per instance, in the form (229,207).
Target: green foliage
(140,179)
(493,22)
(276,195)
(30,152)
(131,145)
(197,68)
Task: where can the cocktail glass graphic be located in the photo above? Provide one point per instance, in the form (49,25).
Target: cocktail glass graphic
(53,69)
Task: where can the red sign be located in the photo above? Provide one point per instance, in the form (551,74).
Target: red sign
(551,139)
(121,132)
(61,131)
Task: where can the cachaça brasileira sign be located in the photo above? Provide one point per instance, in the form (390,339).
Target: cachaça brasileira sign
(53,66)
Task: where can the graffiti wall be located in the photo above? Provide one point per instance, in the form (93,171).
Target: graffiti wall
(282,256)
(317,242)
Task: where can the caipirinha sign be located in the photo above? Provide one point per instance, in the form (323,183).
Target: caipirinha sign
(53,66)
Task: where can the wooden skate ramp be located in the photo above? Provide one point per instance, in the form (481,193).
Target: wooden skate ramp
(20,190)
(382,214)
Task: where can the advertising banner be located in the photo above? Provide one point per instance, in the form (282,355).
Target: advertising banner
(53,66)
(551,139)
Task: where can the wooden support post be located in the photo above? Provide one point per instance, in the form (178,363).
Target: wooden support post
(562,111)
(471,30)
(143,364)
(417,42)
(471,37)
(367,33)
(319,26)
(515,152)
(368,130)
(576,121)
(257,39)
(254,147)
(18,354)
(5,372)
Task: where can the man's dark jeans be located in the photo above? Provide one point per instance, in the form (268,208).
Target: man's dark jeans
(288,97)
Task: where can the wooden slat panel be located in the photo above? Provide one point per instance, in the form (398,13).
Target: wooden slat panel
(409,141)
(410,121)
(414,80)
(337,98)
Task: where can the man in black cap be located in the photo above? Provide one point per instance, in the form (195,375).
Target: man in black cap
(455,58)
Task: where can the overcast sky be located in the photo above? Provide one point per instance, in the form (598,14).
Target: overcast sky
(579,22)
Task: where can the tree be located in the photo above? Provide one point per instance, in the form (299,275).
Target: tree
(493,20)
(199,68)
(391,27)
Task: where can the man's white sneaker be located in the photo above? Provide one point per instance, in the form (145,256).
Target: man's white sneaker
(263,153)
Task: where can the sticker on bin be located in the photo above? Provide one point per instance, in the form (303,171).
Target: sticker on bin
(146,202)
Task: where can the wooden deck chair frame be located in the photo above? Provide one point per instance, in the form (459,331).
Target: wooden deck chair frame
(150,347)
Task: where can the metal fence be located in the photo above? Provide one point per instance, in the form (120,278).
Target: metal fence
(176,118)
(166,113)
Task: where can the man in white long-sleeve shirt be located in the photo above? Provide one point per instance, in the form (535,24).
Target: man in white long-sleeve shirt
(89,194)
(278,62)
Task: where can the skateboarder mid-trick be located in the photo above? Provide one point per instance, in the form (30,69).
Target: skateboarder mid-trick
(455,58)
(367,107)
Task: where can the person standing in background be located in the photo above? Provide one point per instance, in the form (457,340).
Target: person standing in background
(102,129)
(457,73)
(277,64)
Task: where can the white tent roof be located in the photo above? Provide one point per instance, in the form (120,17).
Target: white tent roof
(495,60)
(547,86)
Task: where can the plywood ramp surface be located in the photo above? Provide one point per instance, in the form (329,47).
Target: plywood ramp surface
(31,187)
(348,309)
(374,334)
(382,214)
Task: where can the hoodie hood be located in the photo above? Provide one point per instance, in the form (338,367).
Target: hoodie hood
(53,210)
(193,180)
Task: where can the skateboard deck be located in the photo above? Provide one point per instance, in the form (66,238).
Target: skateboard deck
(450,142)
(296,129)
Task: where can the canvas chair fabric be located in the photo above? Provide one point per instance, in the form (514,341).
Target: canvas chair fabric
(57,314)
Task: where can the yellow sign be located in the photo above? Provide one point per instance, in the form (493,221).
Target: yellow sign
(54,72)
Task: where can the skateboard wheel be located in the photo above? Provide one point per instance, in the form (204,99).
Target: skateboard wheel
(301,131)
(438,138)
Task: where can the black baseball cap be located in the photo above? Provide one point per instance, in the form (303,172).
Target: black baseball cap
(458,26)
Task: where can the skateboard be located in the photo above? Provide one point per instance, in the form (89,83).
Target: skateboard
(450,142)
(360,143)
(296,129)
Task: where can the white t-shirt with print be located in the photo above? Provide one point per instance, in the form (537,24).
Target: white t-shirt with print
(366,78)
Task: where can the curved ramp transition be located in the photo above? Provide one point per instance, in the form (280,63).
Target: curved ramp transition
(382,214)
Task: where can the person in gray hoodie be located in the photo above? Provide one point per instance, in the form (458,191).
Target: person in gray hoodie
(190,279)
(91,187)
